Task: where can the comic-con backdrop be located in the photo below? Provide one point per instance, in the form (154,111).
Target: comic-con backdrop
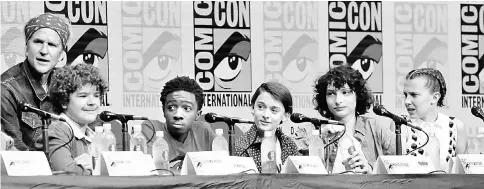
(231,47)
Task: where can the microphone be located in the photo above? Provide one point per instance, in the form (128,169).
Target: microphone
(26,107)
(299,118)
(109,116)
(381,111)
(213,117)
(476,111)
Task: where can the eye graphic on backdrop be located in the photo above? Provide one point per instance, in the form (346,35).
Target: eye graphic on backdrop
(432,55)
(89,48)
(365,55)
(299,59)
(160,59)
(299,62)
(230,58)
(12,48)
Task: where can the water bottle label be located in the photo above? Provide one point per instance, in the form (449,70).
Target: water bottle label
(164,154)
(271,155)
(321,153)
(112,147)
(138,147)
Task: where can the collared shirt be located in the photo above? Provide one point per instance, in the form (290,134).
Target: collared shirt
(375,139)
(63,157)
(248,145)
(445,129)
(18,85)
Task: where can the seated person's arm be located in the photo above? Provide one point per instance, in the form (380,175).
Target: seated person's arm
(9,118)
(6,143)
(61,159)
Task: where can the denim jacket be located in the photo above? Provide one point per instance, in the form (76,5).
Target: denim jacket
(18,85)
(375,138)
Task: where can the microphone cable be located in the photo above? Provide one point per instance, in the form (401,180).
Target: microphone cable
(171,172)
(337,138)
(70,140)
(426,141)
(153,129)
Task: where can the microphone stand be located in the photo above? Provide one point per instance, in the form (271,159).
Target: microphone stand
(124,129)
(231,132)
(45,135)
(398,135)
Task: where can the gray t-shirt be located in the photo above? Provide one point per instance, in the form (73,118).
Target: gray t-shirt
(199,138)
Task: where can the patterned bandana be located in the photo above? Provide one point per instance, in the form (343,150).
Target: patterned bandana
(51,21)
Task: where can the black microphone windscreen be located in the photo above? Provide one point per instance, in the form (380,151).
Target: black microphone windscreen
(210,117)
(106,116)
(297,117)
(475,110)
(378,109)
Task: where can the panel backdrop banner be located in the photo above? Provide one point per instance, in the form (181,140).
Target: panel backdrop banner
(231,47)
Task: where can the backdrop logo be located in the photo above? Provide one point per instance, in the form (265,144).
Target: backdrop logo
(89,43)
(222,51)
(472,58)
(151,44)
(355,39)
(13,15)
(291,47)
(420,41)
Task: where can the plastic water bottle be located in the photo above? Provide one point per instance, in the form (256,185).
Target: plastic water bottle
(160,154)
(138,140)
(479,142)
(109,138)
(347,147)
(97,148)
(316,145)
(433,149)
(219,142)
(268,153)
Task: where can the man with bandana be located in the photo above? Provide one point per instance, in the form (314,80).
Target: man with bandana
(46,39)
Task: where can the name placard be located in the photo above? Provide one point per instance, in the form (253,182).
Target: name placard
(205,163)
(304,164)
(403,165)
(468,164)
(24,163)
(126,163)
(241,165)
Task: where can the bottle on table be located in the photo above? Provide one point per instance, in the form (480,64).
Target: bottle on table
(138,140)
(97,147)
(346,146)
(109,138)
(160,151)
(432,149)
(268,153)
(479,142)
(316,145)
(219,142)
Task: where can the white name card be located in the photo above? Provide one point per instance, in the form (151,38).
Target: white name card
(403,165)
(237,165)
(205,163)
(24,163)
(126,163)
(468,164)
(304,164)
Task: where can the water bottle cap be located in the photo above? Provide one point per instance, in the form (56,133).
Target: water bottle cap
(98,129)
(268,134)
(315,132)
(480,130)
(137,128)
(159,134)
(107,126)
(219,131)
